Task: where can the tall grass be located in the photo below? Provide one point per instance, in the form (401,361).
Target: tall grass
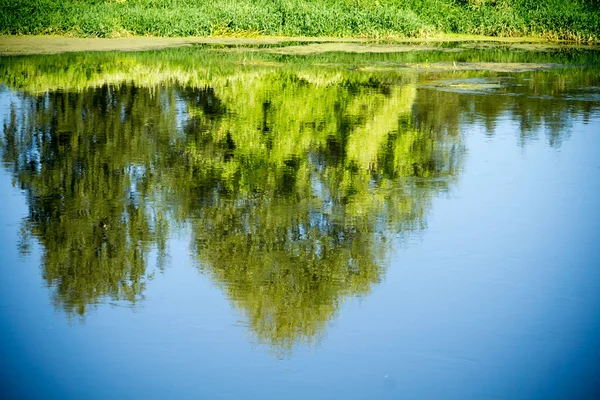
(560,19)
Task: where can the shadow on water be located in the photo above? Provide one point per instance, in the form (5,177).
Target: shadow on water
(293,180)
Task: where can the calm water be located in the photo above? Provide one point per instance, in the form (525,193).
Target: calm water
(225,223)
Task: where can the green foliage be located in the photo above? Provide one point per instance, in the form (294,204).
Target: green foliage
(563,19)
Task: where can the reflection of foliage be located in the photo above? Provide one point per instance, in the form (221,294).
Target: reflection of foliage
(214,66)
(540,101)
(289,201)
(286,266)
(291,178)
(300,195)
(87,198)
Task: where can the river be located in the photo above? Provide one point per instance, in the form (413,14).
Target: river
(301,220)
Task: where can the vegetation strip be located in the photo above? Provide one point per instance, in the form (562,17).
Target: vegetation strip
(45,44)
(577,20)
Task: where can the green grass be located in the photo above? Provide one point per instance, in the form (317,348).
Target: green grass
(558,19)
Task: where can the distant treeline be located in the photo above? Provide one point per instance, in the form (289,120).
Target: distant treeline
(557,19)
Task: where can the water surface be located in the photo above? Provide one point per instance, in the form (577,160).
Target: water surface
(228,223)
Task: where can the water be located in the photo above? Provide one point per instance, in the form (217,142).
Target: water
(220,223)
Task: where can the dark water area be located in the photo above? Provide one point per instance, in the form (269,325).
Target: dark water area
(221,223)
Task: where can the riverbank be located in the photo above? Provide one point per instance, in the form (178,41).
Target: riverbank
(54,44)
(577,20)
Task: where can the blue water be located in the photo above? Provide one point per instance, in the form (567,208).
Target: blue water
(496,297)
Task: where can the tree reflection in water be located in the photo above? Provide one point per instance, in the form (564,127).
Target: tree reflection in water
(292,181)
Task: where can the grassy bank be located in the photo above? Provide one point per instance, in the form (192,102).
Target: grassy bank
(560,19)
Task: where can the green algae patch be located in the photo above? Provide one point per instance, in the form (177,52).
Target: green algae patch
(45,44)
(463,66)
(26,45)
(538,46)
(469,85)
(316,48)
